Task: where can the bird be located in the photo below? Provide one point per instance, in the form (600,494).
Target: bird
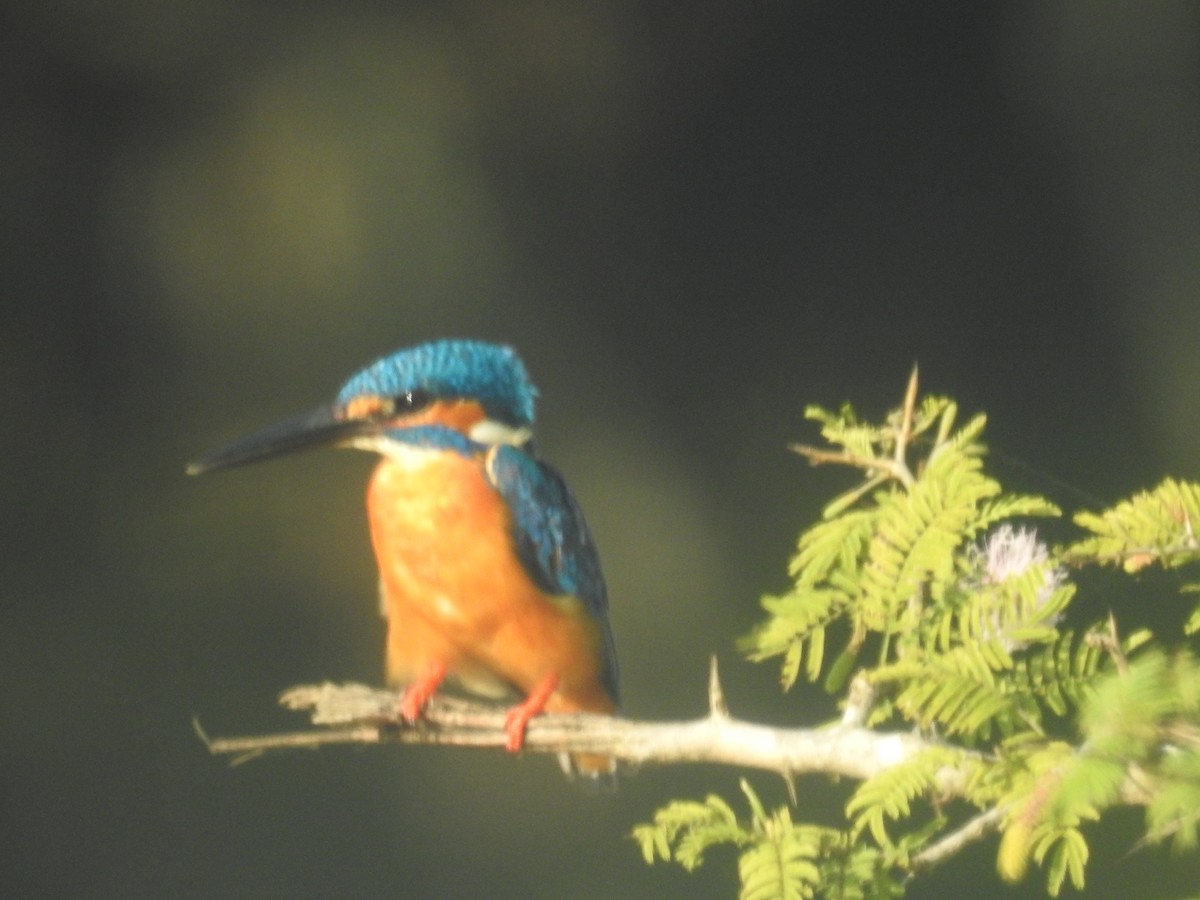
(488,574)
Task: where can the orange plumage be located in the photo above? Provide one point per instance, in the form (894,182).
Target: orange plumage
(456,595)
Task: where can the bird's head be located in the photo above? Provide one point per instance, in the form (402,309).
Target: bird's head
(451,393)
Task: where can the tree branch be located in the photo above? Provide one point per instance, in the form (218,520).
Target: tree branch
(358,714)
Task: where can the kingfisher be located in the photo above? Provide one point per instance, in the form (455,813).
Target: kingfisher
(488,573)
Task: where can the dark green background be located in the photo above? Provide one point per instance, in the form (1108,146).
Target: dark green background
(691,219)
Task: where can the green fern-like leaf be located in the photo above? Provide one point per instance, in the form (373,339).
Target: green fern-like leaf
(843,429)
(684,830)
(1122,718)
(1192,625)
(1059,673)
(795,629)
(859,872)
(1185,684)
(781,864)
(887,565)
(915,540)
(1127,717)
(1174,809)
(957,690)
(955,621)
(1086,786)
(1028,771)
(889,795)
(1068,854)
(962,441)
(826,563)
(1151,526)
(1012,506)
(835,544)
(778,859)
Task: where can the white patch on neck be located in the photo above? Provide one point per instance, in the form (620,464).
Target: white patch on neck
(411,456)
(408,456)
(491,432)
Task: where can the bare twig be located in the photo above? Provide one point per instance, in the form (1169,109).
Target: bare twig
(975,829)
(888,467)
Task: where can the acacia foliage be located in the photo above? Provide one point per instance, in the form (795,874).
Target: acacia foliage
(927,580)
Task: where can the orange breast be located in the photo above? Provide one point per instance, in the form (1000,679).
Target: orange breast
(457,595)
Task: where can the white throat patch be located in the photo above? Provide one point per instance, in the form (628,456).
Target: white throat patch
(491,432)
(406,455)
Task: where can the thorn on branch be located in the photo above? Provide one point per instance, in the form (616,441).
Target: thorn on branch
(789,781)
(717,707)
(906,420)
(859,700)
(1110,642)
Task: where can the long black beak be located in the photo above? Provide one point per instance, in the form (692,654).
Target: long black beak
(319,428)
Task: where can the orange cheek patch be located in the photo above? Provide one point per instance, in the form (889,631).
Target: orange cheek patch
(365,406)
(461,415)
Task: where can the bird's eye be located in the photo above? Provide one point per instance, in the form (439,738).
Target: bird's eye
(411,401)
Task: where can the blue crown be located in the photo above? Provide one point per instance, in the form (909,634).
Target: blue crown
(489,373)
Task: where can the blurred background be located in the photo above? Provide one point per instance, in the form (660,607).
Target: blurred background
(690,219)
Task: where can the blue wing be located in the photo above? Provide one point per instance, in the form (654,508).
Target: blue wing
(552,539)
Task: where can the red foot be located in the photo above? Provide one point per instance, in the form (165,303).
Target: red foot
(518,717)
(417,694)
